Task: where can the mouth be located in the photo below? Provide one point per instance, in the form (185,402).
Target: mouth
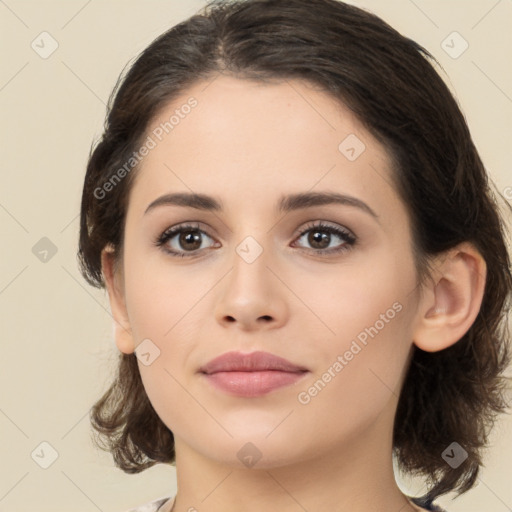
(250,375)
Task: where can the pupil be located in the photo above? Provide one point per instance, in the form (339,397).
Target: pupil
(317,238)
(189,237)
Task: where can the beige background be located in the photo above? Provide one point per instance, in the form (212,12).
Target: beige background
(57,347)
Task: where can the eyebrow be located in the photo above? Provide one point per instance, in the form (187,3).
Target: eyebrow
(286,203)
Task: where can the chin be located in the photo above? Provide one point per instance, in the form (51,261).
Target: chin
(256,452)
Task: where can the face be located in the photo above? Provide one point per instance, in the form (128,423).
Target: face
(328,286)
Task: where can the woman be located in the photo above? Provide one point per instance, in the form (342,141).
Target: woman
(305,264)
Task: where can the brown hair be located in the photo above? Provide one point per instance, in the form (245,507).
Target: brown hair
(388,81)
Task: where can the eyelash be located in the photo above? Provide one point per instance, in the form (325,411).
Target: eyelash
(345,235)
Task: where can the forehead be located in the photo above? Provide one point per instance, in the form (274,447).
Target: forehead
(251,141)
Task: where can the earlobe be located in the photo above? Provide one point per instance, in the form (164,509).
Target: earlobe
(452,300)
(122,330)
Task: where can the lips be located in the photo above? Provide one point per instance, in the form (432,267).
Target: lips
(252,374)
(252,362)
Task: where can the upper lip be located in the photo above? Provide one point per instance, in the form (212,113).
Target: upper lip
(249,362)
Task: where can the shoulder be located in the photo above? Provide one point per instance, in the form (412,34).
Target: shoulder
(153,506)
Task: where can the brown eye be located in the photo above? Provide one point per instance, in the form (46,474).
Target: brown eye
(320,236)
(180,240)
(190,240)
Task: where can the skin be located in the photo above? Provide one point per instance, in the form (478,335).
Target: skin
(248,143)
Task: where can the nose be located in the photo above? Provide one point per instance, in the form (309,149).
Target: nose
(252,297)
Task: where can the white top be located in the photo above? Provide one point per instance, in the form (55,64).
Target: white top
(166,503)
(159,505)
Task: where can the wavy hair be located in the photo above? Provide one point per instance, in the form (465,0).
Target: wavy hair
(390,83)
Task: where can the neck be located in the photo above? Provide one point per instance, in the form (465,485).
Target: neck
(354,476)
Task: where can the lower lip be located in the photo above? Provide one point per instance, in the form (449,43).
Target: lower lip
(249,384)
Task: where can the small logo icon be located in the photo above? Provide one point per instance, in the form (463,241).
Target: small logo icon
(44,455)
(44,250)
(44,45)
(147,352)
(249,249)
(351,147)
(454,45)
(455,455)
(249,455)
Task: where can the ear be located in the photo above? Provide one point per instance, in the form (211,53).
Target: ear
(450,303)
(113,281)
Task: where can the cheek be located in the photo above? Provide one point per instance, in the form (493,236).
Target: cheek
(369,312)
(163,309)
(362,369)
(363,301)
(161,297)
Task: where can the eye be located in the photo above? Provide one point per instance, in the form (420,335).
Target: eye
(189,240)
(320,237)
